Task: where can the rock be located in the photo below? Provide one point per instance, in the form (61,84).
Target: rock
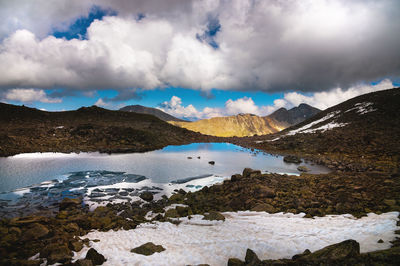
(35,232)
(71,227)
(189,157)
(75,246)
(302,168)
(56,253)
(343,250)
(67,203)
(171,213)
(390,202)
(212,215)
(148,249)
(248,172)
(95,257)
(265,192)
(15,230)
(251,258)
(380,241)
(292,159)
(182,211)
(236,177)
(235,262)
(83,262)
(264,207)
(147,196)
(211,162)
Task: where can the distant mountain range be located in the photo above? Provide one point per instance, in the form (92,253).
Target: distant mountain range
(150,111)
(248,124)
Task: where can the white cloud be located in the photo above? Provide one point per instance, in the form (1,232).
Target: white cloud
(29,95)
(321,100)
(263,45)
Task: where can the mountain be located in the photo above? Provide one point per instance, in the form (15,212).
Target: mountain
(248,124)
(366,127)
(151,111)
(24,129)
(295,115)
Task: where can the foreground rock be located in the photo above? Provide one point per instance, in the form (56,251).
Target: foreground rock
(95,257)
(343,253)
(148,249)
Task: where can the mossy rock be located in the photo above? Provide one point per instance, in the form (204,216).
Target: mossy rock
(148,249)
(212,216)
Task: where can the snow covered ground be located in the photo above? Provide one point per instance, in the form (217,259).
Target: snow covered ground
(271,236)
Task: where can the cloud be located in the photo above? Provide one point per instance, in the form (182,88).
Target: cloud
(321,100)
(29,95)
(269,45)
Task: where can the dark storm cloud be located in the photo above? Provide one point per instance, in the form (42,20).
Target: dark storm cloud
(240,45)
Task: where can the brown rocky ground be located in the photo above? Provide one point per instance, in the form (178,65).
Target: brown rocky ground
(24,129)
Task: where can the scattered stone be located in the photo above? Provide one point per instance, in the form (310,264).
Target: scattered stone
(83,262)
(264,207)
(248,172)
(69,203)
(251,258)
(211,162)
(235,262)
(56,253)
(292,159)
(189,158)
(212,215)
(95,257)
(147,196)
(198,157)
(302,168)
(148,249)
(380,241)
(35,232)
(75,245)
(236,177)
(172,213)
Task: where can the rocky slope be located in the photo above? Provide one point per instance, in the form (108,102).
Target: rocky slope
(24,129)
(248,124)
(361,133)
(150,111)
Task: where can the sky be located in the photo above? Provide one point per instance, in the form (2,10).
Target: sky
(196,59)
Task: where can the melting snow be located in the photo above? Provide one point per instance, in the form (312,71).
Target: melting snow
(271,236)
(300,130)
(362,108)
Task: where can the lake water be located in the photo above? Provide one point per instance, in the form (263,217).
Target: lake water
(37,181)
(161,166)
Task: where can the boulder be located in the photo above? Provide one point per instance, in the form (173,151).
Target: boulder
(56,253)
(83,262)
(248,172)
(67,203)
(264,207)
(36,231)
(172,213)
(236,177)
(211,162)
(343,250)
(212,215)
(147,196)
(95,257)
(302,168)
(148,249)
(292,159)
(235,262)
(251,258)
(75,245)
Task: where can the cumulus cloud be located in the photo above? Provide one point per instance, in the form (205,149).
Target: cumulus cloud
(321,100)
(267,45)
(28,96)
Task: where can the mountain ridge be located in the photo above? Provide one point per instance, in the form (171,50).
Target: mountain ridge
(243,125)
(152,111)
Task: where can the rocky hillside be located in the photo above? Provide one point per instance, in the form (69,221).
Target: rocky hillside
(248,124)
(295,115)
(150,111)
(24,129)
(365,128)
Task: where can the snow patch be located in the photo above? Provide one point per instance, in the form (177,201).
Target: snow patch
(301,129)
(271,236)
(362,108)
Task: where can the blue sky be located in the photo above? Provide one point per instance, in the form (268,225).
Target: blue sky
(210,60)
